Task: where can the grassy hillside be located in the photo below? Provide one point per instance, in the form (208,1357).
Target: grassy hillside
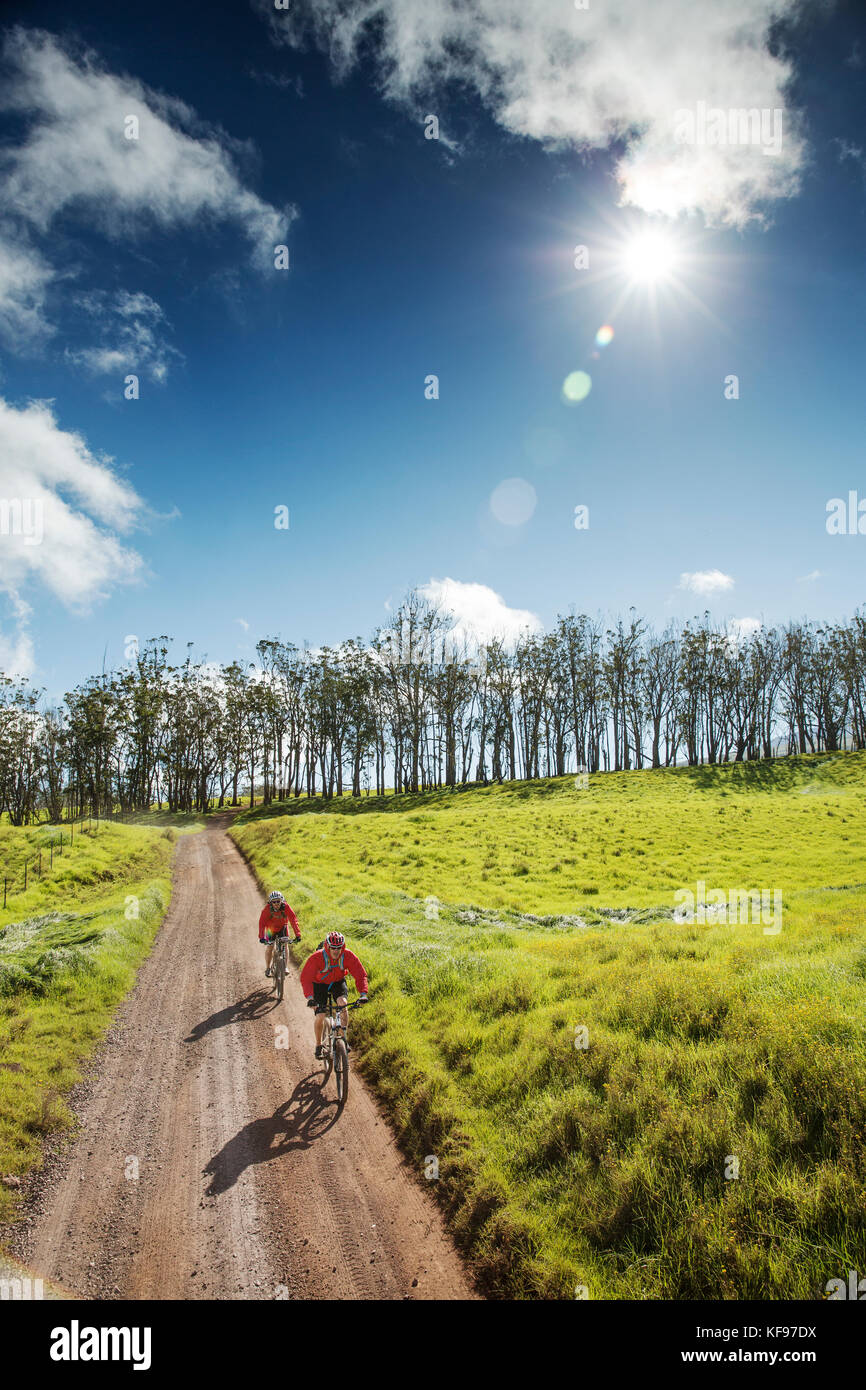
(69,949)
(627,837)
(499,923)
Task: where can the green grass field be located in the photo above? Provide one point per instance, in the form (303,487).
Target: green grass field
(69,950)
(704,1136)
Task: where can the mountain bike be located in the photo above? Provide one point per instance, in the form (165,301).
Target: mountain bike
(279,964)
(335,1058)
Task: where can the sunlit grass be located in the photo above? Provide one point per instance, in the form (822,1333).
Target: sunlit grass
(636,836)
(69,950)
(712,1049)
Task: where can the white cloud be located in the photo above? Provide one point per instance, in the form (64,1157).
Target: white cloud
(613,72)
(481,614)
(24,281)
(16,652)
(129,325)
(64,515)
(73,158)
(282,80)
(76,154)
(810,577)
(706,582)
(740,630)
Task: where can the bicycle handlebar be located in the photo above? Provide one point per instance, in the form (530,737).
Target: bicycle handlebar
(356,1004)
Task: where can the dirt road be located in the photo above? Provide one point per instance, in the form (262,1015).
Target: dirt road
(209,1164)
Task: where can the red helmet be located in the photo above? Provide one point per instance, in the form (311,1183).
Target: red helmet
(335,939)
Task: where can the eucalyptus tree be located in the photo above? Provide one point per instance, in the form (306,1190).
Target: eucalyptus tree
(852,657)
(422,706)
(406,646)
(658,690)
(95,727)
(19,750)
(623,669)
(234,733)
(828,695)
(358,697)
(502,706)
(454,690)
(53,739)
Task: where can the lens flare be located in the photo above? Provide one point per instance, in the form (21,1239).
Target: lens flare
(604,335)
(513,502)
(576,387)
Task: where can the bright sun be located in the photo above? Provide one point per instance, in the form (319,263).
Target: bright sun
(649,258)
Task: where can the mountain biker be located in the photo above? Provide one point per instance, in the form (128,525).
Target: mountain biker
(273,922)
(325,973)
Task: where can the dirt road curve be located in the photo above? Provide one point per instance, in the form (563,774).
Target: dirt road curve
(249,1180)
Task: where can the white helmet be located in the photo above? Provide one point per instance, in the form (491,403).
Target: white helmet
(276,897)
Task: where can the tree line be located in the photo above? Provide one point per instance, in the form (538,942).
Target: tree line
(418,708)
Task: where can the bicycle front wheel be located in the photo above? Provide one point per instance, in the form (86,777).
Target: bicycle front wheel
(327,1063)
(280,974)
(341,1070)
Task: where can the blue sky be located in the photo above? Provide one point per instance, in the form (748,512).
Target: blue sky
(409,257)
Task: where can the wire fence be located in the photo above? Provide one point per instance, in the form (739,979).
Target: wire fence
(61,841)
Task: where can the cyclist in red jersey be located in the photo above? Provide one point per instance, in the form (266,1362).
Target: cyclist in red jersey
(325,973)
(273,922)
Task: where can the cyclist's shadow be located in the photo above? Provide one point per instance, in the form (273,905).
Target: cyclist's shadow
(256,1005)
(295,1124)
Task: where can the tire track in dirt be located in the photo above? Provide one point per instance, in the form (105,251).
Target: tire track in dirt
(249,1182)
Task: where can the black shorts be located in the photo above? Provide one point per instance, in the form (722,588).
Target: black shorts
(336,989)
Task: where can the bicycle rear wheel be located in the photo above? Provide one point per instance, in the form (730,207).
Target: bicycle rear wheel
(341,1070)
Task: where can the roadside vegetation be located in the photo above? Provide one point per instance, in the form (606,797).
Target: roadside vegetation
(69,950)
(703,1137)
